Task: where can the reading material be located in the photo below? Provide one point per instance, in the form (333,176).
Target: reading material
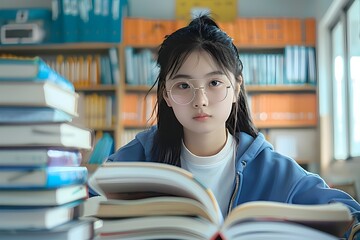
(40,157)
(146,198)
(43,197)
(30,69)
(38,94)
(48,177)
(32,114)
(45,135)
(37,218)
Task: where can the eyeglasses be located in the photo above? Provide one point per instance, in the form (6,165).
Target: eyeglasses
(183,92)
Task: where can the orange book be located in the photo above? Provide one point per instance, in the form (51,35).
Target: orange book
(243,29)
(310,31)
(132,110)
(294,31)
(133,31)
(284,110)
(178,23)
(156,30)
(229,28)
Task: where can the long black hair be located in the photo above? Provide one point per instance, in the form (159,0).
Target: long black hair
(202,33)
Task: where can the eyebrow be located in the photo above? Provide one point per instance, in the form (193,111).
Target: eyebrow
(181,76)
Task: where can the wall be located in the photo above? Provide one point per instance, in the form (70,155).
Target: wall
(332,171)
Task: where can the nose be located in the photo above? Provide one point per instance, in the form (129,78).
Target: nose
(200,98)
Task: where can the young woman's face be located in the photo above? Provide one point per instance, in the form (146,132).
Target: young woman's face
(201,94)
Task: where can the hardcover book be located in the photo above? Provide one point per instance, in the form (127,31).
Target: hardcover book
(30,69)
(48,177)
(32,114)
(16,218)
(38,94)
(39,157)
(46,135)
(43,197)
(152,199)
(80,229)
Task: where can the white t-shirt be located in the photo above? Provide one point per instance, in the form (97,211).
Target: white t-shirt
(216,172)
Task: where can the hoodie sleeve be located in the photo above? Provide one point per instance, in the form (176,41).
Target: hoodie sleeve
(137,150)
(312,189)
(133,151)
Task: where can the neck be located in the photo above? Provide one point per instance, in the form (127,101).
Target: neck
(205,144)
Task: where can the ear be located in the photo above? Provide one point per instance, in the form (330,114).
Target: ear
(166,98)
(237,88)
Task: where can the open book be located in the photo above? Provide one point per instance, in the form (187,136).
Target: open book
(153,200)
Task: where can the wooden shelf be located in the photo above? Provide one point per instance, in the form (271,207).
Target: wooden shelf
(57,47)
(280,88)
(107,129)
(139,88)
(97,88)
(263,126)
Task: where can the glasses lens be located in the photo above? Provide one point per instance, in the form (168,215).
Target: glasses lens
(183,92)
(216,93)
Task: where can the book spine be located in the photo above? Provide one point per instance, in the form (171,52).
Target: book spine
(63,176)
(39,158)
(45,72)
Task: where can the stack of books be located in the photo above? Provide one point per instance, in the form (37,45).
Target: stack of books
(42,183)
(149,200)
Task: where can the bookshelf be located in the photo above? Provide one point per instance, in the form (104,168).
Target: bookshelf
(103,98)
(279,38)
(258,36)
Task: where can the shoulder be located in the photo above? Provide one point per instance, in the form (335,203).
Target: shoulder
(257,153)
(138,149)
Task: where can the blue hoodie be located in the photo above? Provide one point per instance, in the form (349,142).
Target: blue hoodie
(261,173)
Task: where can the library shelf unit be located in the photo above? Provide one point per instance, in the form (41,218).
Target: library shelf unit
(258,36)
(109,94)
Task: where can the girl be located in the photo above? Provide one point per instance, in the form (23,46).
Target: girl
(204,126)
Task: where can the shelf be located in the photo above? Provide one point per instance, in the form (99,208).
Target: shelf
(266,127)
(280,88)
(139,88)
(240,47)
(97,88)
(106,129)
(57,47)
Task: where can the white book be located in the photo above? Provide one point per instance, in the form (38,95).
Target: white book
(74,230)
(38,94)
(47,135)
(43,197)
(38,218)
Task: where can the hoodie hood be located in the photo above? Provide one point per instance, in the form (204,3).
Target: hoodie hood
(247,150)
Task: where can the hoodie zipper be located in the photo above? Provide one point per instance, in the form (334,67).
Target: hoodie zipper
(237,183)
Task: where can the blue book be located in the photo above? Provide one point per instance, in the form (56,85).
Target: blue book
(32,114)
(39,157)
(30,69)
(76,229)
(102,150)
(36,218)
(70,20)
(118,10)
(57,16)
(48,177)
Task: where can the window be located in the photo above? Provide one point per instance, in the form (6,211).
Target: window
(345,44)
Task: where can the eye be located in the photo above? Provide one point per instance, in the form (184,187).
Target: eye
(215,83)
(182,85)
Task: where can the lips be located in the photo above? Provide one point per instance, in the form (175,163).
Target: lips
(201,116)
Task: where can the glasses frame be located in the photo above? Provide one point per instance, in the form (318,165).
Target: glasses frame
(194,92)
